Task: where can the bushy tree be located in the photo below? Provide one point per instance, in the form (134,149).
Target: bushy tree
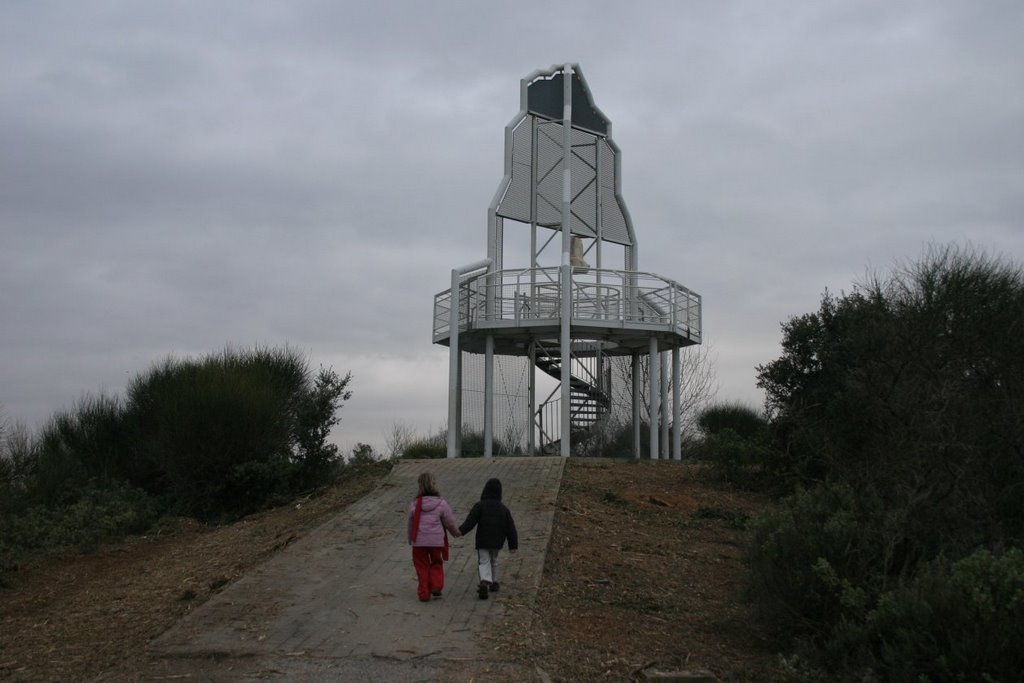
(956,621)
(905,396)
(213,437)
(911,388)
(734,442)
(746,422)
(229,431)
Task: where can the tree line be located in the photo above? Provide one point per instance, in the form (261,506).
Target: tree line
(214,438)
(895,434)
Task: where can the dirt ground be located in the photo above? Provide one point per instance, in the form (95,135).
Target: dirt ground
(644,571)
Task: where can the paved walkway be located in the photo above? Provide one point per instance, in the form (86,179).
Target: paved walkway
(340,603)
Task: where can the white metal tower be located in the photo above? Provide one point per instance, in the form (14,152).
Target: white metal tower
(567,317)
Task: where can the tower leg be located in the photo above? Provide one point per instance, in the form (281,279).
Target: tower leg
(655,394)
(489,397)
(531,446)
(566,274)
(677,408)
(454,370)
(566,364)
(663,361)
(637,381)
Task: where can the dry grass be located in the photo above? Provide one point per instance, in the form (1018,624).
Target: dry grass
(644,568)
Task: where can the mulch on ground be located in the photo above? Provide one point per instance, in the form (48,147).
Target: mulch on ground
(644,570)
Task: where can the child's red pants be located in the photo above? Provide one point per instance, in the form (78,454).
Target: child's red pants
(429,570)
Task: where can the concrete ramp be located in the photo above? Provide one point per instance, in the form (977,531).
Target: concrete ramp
(341,601)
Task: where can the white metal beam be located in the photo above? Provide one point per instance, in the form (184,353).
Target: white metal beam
(454,373)
(655,394)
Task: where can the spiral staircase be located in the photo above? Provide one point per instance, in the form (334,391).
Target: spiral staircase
(589,396)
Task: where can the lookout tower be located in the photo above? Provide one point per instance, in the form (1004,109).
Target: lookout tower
(577,302)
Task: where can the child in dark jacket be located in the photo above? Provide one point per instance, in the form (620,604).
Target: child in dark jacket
(494,525)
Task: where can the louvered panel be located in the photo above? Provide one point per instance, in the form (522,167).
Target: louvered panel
(521,144)
(606,165)
(549,147)
(549,199)
(615,227)
(592,163)
(516,203)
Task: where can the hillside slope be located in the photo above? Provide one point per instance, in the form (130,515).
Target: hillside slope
(644,568)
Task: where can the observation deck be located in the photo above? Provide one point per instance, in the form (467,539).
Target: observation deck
(621,309)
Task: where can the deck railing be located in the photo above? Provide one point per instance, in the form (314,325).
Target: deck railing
(534,295)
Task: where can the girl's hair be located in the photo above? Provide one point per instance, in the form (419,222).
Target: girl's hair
(428,485)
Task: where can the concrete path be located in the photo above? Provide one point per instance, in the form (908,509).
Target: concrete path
(340,603)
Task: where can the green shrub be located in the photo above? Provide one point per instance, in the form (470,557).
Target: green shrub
(954,622)
(436,446)
(612,438)
(101,512)
(813,561)
(615,440)
(731,457)
(222,435)
(899,399)
(907,389)
(745,422)
(316,414)
(87,442)
(472,444)
(252,485)
(362,454)
(830,571)
(234,430)
(425,449)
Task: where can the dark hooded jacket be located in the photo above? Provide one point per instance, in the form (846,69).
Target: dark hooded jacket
(493,521)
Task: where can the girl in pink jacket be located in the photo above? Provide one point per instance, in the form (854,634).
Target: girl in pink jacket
(429,517)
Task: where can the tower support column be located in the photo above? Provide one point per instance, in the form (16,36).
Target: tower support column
(663,363)
(654,408)
(677,408)
(454,360)
(489,396)
(566,272)
(637,393)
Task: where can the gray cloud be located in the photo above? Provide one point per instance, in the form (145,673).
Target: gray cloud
(178,178)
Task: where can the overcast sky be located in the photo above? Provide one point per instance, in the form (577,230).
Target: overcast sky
(177,177)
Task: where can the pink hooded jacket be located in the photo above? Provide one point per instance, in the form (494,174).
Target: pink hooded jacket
(435,517)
